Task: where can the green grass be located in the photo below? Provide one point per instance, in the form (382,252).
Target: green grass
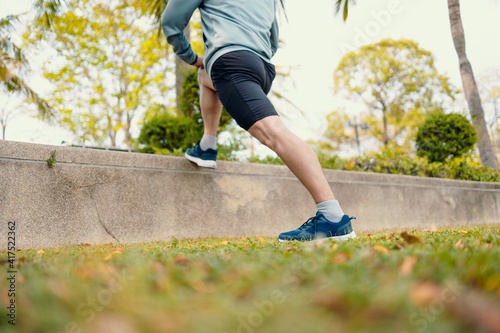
(377,283)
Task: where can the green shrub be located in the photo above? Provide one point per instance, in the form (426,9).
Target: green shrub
(169,132)
(394,160)
(444,136)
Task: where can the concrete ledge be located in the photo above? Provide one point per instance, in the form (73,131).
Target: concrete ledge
(94,196)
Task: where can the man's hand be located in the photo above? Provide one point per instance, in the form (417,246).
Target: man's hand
(199,62)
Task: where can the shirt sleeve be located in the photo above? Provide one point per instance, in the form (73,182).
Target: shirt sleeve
(175,18)
(275,36)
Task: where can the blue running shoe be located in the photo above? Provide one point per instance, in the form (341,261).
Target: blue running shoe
(204,158)
(318,227)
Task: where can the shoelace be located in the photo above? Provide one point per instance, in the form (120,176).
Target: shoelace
(310,220)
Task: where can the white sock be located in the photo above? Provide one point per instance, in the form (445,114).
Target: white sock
(331,210)
(208,141)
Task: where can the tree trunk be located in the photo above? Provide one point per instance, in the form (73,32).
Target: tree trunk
(386,135)
(484,145)
(180,71)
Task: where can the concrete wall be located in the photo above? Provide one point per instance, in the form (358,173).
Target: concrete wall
(93,196)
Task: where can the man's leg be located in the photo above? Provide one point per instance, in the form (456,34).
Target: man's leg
(296,154)
(205,153)
(211,107)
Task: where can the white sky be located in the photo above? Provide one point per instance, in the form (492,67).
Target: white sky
(314,43)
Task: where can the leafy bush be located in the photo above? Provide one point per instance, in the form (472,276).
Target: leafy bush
(166,131)
(445,135)
(393,160)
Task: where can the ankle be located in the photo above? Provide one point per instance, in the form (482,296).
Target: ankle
(208,142)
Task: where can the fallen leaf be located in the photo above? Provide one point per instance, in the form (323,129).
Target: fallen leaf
(40,251)
(339,258)
(118,249)
(431,229)
(260,239)
(109,256)
(146,249)
(459,244)
(462,232)
(381,249)
(334,247)
(223,243)
(84,271)
(243,237)
(411,239)
(407,266)
(423,293)
(180,259)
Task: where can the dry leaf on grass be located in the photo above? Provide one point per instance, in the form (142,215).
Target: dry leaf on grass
(407,266)
(423,293)
(411,239)
(339,258)
(381,249)
(180,259)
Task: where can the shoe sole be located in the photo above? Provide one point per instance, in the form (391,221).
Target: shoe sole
(200,162)
(352,235)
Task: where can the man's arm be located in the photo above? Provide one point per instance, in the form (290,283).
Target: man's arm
(275,36)
(175,18)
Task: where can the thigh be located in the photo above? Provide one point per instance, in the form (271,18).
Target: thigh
(242,86)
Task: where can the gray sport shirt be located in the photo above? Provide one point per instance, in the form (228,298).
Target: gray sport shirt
(228,25)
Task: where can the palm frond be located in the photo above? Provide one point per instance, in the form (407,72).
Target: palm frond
(343,5)
(282,3)
(154,8)
(11,52)
(281,96)
(7,24)
(48,10)
(14,83)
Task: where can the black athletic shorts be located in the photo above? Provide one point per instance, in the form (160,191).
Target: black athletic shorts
(242,80)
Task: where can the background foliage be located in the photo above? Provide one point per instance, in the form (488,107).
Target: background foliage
(445,135)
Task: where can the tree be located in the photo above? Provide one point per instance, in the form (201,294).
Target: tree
(398,82)
(110,67)
(445,135)
(7,107)
(485,147)
(13,64)
(469,84)
(489,88)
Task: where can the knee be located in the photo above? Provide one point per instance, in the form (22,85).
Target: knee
(269,131)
